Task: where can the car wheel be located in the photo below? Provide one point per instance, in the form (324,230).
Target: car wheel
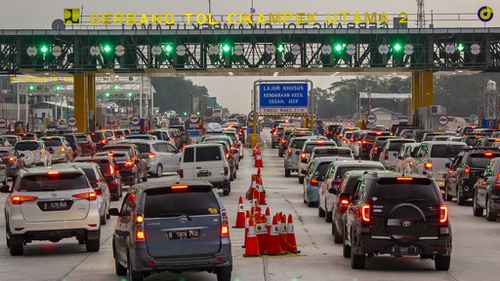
(5,182)
(226,189)
(120,270)
(103,219)
(133,275)
(357,261)
(280,154)
(346,249)
(442,262)
(328,216)
(321,212)
(311,204)
(337,236)
(273,146)
(476,210)
(224,274)
(460,197)
(301,180)
(159,171)
(145,176)
(16,248)
(490,215)
(287,173)
(93,245)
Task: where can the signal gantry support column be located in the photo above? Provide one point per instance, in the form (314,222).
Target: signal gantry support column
(84,101)
(422,92)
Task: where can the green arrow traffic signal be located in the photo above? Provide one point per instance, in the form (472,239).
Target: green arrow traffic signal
(397,47)
(338,47)
(226,48)
(107,49)
(168,48)
(107,95)
(44,49)
(31,88)
(460,47)
(280,48)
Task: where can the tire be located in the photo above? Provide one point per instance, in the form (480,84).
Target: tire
(460,198)
(224,274)
(273,146)
(159,171)
(301,180)
(346,249)
(145,176)
(93,245)
(490,216)
(476,210)
(120,270)
(133,275)
(321,212)
(447,197)
(16,248)
(357,261)
(103,219)
(287,173)
(337,236)
(328,216)
(442,262)
(311,204)
(226,189)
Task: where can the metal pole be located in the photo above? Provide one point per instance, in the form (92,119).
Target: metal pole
(140,97)
(18,103)
(27,108)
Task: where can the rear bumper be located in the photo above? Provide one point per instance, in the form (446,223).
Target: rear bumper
(312,193)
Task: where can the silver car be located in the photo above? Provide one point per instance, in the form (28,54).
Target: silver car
(161,156)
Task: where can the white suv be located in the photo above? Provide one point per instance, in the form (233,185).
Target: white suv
(34,153)
(51,204)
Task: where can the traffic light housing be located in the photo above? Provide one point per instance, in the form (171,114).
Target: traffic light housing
(107,95)
(31,88)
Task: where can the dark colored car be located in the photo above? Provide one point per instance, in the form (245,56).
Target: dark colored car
(176,226)
(378,143)
(124,164)
(13,161)
(487,192)
(109,171)
(365,143)
(466,168)
(135,154)
(99,138)
(75,145)
(330,130)
(87,146)
(397,215)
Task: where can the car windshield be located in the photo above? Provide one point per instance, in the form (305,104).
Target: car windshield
(46,182)
(342,170)
(398,192)
(27,146)
(445,151)
(172,203)
(479,160)
(82,138)
(53,142)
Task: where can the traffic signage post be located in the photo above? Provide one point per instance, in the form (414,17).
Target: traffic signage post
(371,118)
(71,121)
(442,120)
(135,120)
(193,118)
(3,122)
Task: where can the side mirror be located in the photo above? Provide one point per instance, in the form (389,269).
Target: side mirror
(395,154)
(114,212)
(236,151)
(51,150)
(447,165)
(297,152)
(333,191)
(399,157)
(304,172)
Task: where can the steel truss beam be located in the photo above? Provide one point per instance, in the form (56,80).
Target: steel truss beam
(302,50)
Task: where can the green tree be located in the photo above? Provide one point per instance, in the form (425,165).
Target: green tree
(174,93)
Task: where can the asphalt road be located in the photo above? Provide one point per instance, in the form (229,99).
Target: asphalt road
(474,257)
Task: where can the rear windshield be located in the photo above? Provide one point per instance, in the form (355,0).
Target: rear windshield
(342,170)
(445,151)
(27,146)
(332,152)
(372,136)
(103,164)
(479,160)
(53,142)
(90,173)
(96,137)
(322,168)
(139,137)
(399,192)
(63,181)
(209,153)
(108,134)
(82,138)
(172,203)
(143,147)
(396,145)
(298,144)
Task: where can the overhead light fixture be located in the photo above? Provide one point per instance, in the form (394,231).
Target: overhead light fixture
(276,74)
(230,73)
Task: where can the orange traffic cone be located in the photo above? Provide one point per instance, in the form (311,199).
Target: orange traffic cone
(261,193)
(268,220)
(290,236)
(240,216)
(248,217)
(251,241)
(283,232)
(273,241)
(252,187)
(258,158)
(255,203)
(261,231)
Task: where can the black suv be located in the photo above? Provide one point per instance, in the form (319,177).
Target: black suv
(176,226)
(464,171)
(399,215)
(365,143)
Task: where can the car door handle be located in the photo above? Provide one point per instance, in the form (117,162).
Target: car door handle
(198,167)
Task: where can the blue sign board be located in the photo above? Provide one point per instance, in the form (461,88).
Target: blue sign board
(283,98)
(489,123)
(194,133)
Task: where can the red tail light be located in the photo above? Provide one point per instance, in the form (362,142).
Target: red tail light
(226,171)
(111,169)
(283,141)
(497,181)
(289,151)
(443,214)
(428,165)
(344,203)
(87,195)
(225,223)
(466,172)
(18,199)
(303,155)
(140,235)
(11,159)
(63,149)
(314,182)
(365,213)
(151,155)
(375,148)
(102,141)
(128,165)
(227,155)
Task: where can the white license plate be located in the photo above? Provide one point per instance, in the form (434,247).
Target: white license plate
(55,206)
(404,251)
(183,235)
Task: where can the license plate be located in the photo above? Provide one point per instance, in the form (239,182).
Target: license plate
(55,206)
(204,174)
(404,251)
(183,235)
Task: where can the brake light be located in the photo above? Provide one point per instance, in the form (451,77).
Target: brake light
(497,181)
(98,191)
(466,172)
(87,195)
(102,141)
(344,203)
(18,199)
(488,154)
(303,155)
(375,148)
(53,173)
(151,155)
(226,171)
(428,165)
(179,187)
(410,163)
(290,151)
(404,178)
(283,141)
(227,155)
(225,223)
(111,169)
(11,159)
(128,164)
(314,182)
(365,212)
(42,153)
(443,214)
(274,133)
(140,235)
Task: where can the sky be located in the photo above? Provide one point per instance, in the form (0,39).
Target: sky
(235,92)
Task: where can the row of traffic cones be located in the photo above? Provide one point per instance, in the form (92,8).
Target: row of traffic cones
(263,237)
(256,191)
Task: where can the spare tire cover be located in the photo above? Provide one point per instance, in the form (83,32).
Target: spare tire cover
(405,223)
(29,157)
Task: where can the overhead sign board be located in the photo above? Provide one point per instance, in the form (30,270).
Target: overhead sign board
(283,98)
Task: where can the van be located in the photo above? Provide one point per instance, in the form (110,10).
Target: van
(206,162)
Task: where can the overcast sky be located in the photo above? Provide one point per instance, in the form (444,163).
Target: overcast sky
(235,92)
